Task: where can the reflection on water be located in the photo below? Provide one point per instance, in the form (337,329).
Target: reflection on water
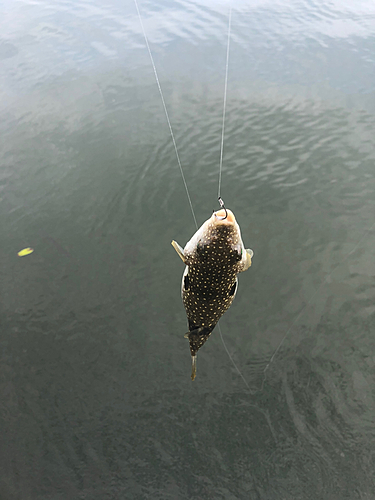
(97,399)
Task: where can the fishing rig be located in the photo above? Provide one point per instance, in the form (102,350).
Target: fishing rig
(220,200)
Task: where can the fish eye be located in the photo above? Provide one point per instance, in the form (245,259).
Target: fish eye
(237,250)
(199,247)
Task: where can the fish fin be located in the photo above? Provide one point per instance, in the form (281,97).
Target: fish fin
(249,254)
(179,250)
(193,367)
(233,290)
(196,331)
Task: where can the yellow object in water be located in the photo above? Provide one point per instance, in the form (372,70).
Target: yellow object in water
(25,251)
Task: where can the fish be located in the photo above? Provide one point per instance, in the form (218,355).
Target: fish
(213,257)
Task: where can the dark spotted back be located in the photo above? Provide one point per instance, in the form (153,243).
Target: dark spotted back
(210,283)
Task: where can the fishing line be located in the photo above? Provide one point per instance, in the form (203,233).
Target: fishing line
(230,357)
(221,168)
(166,112)
(365,234)
(175,145)
(225,102)
(219,192)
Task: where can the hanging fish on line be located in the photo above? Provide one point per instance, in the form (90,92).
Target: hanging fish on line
(213,257)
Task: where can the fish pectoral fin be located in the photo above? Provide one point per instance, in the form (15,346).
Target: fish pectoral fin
(249,254)
(179,250)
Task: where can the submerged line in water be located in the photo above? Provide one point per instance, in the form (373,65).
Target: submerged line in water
(365,234)
(225,101)
(166,112)
(232,360)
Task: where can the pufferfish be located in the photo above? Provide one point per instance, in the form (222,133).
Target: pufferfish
(213,257)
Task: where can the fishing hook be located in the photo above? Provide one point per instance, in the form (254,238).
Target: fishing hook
(222,206)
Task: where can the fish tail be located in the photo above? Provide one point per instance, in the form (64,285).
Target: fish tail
(193,367)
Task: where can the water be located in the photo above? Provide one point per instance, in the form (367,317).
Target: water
(96,396)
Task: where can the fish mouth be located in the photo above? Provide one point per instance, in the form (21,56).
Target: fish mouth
(224,216)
